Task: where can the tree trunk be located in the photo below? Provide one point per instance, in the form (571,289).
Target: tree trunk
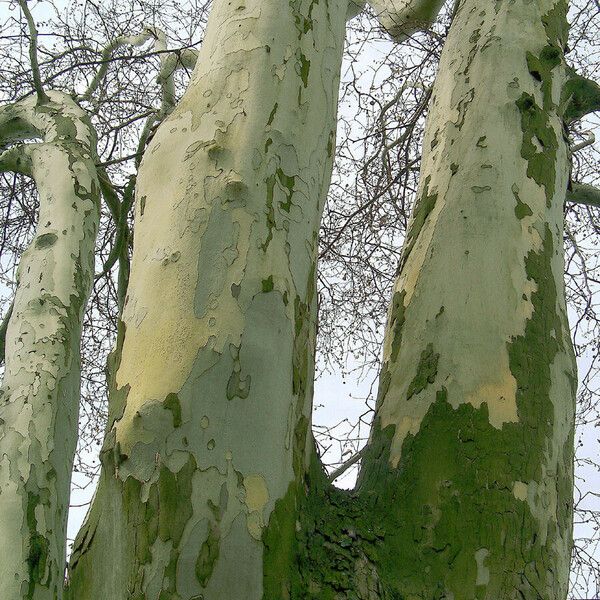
(212,394)
(470,460)
(39,398)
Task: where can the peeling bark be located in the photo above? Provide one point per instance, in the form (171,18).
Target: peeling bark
(212,393)
(473,436)
(210,487)
(39,397)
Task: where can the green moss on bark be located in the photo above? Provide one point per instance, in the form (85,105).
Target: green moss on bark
(162,516)
(451,495)
(38,553)
(426,372)
(173,405)
(207,558)
(540,144)
(522,209)
(396,322)
(540,67)
(423,207)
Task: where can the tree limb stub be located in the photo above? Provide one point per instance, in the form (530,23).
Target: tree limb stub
(582,193)
(402,18)
(582,96)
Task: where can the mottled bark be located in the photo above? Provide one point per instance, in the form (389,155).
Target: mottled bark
(211,397)
(210,488)
(39,397)
(472,447)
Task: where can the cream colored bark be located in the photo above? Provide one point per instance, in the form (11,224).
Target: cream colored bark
(215,372)
(402,18)
(39,397)
(469,255)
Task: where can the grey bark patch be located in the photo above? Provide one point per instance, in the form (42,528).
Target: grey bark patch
(46,240)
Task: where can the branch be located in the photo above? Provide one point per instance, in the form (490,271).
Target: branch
(120,216)
(581,97)
(3,328)
(35,69)
(120,212)
(402,18)
(109,49)
(170,62)
(16,159)
(591,138)
(582,193)
(345,466)
(355,7)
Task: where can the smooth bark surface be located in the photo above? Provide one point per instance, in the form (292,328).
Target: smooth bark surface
(39,398)
(473,436)
(212,393)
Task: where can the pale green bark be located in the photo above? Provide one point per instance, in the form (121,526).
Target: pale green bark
(212,393)
(581,193)
(207,491)
(475,411)
(39,398)
(402,18)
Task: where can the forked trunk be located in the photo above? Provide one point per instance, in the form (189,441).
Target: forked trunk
(465,491)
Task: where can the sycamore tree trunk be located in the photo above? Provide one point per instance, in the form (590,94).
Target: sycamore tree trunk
(470,459)
(211,488)
(212,386)
(39,397)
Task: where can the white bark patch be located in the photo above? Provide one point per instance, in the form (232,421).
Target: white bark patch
(520,490)
(257,496)
(483,573)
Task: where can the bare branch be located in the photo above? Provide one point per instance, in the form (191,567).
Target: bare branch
(346,465)
(16,159)
(170,62)
(109,49)
(590,139)
(120,212)
(582,193)
(35,69)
